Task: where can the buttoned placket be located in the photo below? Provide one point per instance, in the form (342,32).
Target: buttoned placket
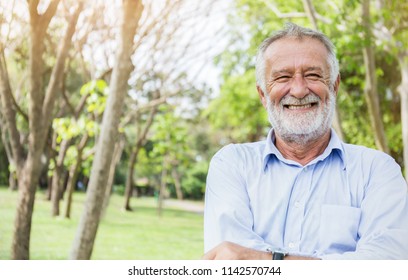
(296,208)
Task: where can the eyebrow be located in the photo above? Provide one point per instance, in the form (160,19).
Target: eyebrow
(280,72)
(286,71)
(314,68)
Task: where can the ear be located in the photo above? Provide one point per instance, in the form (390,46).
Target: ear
(261,95)
(337,84)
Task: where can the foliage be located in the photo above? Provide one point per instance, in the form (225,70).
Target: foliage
(97,91)
(238,112)
(170,136)
(71,128)
(193,183)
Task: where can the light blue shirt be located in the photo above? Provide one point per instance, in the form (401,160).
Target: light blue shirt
(351,202)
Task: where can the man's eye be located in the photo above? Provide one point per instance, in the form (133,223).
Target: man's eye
(282,78)
(313,75)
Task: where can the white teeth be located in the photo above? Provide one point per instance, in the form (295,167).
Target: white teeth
(298,107)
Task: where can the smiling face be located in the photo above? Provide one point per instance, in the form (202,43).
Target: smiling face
(299,96)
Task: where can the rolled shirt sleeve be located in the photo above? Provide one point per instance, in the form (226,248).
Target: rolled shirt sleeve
(383,226)
(228,215)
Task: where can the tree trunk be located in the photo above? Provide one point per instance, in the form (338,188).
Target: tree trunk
(133,157)
(45,177)
(32,167)
(73,175)
(337,123)
(370,88)
(7,148)
(85,237)
(13,184)
(162,189)
(403,89)
(25,203)
(40,109)
(57,183)
(177,183)
(130,179)
(118,150)
(15,153)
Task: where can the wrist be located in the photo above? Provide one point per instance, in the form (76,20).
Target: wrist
(265,255)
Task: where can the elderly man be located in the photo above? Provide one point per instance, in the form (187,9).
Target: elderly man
(302,193)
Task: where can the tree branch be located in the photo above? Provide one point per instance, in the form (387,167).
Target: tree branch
(50,12)
(66,99)
(58,70)
(8,110)
(279,14)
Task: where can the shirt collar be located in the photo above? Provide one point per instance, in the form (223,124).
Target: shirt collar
(335,145)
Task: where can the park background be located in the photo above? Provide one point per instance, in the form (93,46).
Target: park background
(110,112)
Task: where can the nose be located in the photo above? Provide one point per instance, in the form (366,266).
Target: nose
(298,87)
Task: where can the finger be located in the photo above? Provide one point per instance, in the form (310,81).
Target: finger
(210,255)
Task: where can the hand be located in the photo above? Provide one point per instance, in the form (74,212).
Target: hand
(231,251)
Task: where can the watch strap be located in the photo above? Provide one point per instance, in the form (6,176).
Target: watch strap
(277,254)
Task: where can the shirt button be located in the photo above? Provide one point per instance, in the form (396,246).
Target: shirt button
(291,245)
(297,204)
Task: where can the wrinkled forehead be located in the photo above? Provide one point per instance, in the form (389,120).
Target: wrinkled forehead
(293,51)
(295,43)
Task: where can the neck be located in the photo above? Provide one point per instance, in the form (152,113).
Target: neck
(305,152)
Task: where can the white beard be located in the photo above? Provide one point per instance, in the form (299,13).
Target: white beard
(301,128)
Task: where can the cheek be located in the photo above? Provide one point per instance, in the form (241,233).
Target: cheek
(320,89)
(277,92)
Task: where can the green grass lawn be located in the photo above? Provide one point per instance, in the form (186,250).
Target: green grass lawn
(137,235)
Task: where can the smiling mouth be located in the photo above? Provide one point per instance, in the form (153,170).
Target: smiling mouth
(300,107)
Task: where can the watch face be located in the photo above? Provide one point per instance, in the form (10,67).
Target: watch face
(278,256)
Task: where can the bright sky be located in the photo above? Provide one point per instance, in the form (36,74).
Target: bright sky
(196,33)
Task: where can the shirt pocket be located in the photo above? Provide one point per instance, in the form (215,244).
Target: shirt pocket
(338,228)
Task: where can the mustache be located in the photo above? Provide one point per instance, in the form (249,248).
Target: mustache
(291,100)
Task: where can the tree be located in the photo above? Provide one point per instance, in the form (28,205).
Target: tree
(371,87)
(391,29)
(73,174)
(40,116)
(173,46)
(83,124)
(170,149)
(56,182)
(86,233)
(141,141)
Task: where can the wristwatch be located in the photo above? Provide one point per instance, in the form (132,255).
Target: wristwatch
(278,255)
